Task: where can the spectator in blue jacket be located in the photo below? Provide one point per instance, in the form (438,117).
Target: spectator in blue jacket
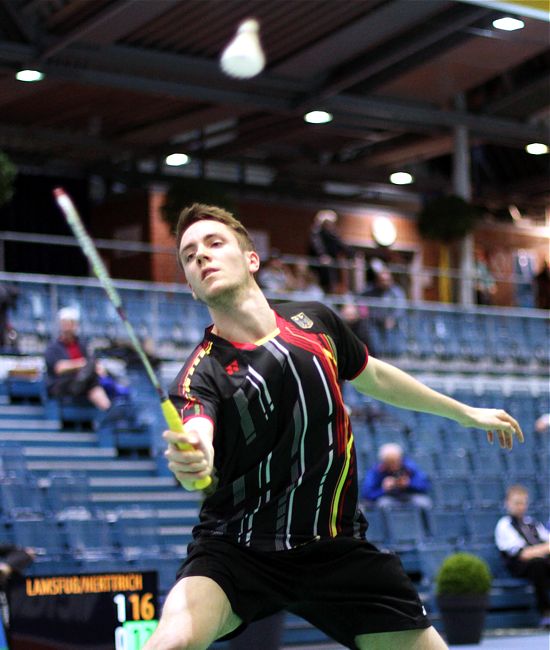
(396,480)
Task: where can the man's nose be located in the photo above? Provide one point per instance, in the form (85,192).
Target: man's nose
(201,254)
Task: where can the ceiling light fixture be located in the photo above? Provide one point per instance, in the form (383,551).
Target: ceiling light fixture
(177,159)
(401,178)
(508,24)
(29,75)
(243,58)
(536,148)
(318,117)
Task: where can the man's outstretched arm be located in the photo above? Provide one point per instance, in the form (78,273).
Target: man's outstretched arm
(389,384)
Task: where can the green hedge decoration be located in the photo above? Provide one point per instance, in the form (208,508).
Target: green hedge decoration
(463,573)
(186,191)
(447,219)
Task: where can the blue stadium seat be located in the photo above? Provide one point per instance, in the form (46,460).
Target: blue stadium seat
(430,558)
(457,464)
(448,526)
(521,462)
(67,491)
(43,535)
(405,527)
(488,462)
(424,439)
(91,539)
(427,461)
(21,499)
(138,535)
(453,492)
(489,492)
(13,464)
(377,532)
(481,525)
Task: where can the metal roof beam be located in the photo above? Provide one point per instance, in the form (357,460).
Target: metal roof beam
(109,13)
(403,50)
(259,95)
(494,129)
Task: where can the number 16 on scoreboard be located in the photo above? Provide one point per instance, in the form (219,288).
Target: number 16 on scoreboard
(133,634)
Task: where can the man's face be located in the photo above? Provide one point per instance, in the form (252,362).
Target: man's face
(392,462)
(517,503)
(68,328)
(215,266)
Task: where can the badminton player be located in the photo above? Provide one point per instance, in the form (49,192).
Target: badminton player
(261,405)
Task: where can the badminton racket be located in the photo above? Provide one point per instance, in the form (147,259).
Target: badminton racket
(169,411)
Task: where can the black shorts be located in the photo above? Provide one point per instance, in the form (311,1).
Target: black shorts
(343,586)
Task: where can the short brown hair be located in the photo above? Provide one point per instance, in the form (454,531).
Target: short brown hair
(516,489)
(202,212)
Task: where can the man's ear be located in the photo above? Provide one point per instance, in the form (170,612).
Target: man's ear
(253,261)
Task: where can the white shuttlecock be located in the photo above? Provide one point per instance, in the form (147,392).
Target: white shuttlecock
(243,58)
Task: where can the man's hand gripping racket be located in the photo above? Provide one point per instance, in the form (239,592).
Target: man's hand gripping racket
(169,411)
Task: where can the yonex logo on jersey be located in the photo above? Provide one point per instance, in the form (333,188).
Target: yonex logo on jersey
(302,320)
(232,368)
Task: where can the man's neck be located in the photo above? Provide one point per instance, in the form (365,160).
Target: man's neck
(247,321)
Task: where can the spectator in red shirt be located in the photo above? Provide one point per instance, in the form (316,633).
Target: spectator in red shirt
(71,370)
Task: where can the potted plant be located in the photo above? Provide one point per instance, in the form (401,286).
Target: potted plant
(463,583)
(7,177)
(446,219)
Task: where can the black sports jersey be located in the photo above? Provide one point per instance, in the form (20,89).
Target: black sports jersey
(285,463)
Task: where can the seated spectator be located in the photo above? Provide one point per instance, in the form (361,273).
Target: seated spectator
(8,299)
(274,275)
(357,319)
(13,561)
(542,423)
(524,545)
(485,285)
(396,480)
(71,370)
(304,283)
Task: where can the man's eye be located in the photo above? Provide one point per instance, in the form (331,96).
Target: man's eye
(216,243)
(189,257)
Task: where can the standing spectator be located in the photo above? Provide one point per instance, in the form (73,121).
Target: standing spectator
(541,283)
(524,544)
(71,370)
(485,285)
(328,248)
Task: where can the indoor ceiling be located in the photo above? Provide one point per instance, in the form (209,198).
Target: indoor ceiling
(129,81)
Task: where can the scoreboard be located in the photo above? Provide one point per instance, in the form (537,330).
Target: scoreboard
(97,611)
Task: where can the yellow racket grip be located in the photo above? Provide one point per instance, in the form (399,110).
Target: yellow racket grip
(174,423)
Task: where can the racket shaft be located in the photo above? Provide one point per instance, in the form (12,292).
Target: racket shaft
(88,247)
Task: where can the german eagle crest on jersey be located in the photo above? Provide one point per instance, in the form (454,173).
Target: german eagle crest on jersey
(302,320)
